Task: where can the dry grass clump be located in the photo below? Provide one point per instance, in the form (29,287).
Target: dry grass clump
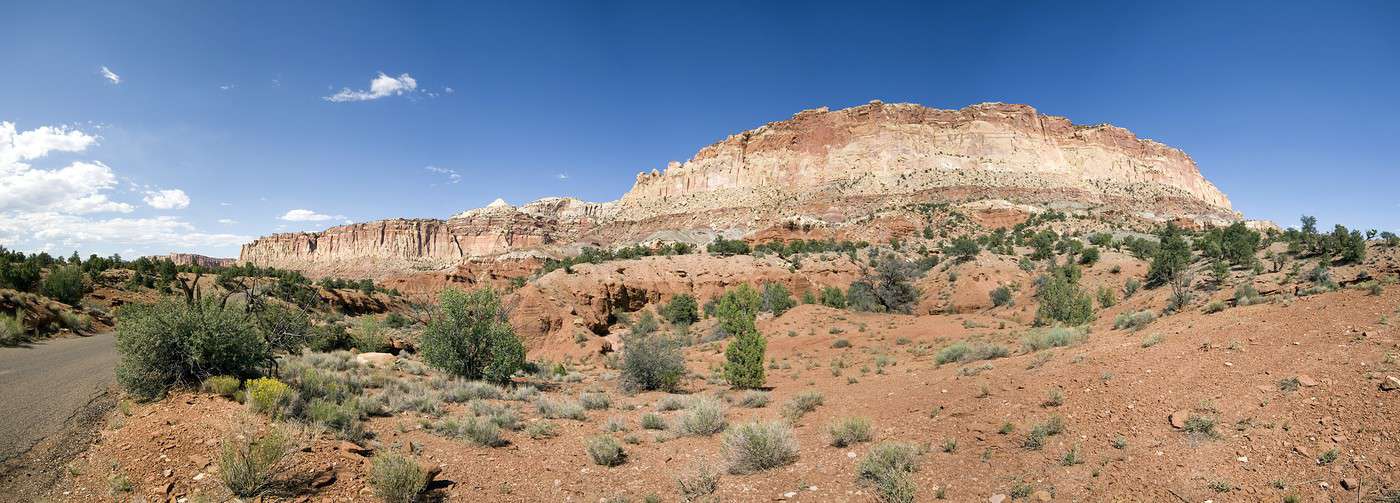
(756,447)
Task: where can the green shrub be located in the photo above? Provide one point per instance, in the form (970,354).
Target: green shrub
(65,284)
(1089,256)
(542,429)
(604,451)
(221,385)
(776,299)
(560,409)
(833,297)
(840,344)
(887,458)
(1214,307)
(1133,321)
(753,399)
(755,447)
(470,337)
(285,329)
(963,352)
(743,366)
(801,404)
(397,478)
(12,331)
(1131,286)
(595,401)
(652,362)
(671,402)
(248,462)
(1246,295)
(682,310)
(653,421)
(343,418)
(1001,296)
(1106,297)
(170,344)
(849,431)
(1051,427)
(368,336)
(266,395)
(699,484)
(704,417)
(1061,298)
(1201,425)
(1055,337)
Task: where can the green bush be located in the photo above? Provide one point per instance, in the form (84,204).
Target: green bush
(221,385)
(1106,297)
(888,458)
(653,421)
(397,478)
(285,329)
(743,367)
(849,431)
(682,310)
(65,284)
(248,462)
(1246,295)
(755,447)
(1051,338)
(1001,296)
(594,401)
(604,451)
(560,409)
(833,297)
(269,396)
(470,337)
(169,344)
(368,335)
(801,404)
(753,399)
(1089,256)
(12,331)
(704,417)
(964,352)
(1133,320)
(776,299)
(1061,298)
(652,362)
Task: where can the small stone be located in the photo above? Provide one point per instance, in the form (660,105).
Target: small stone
(1178,419)
(1350,484)
(997,498)
(1391,383)
(374,359)
(1306,380)
(1041,495)
(851,454)
(789,494)
(199,477)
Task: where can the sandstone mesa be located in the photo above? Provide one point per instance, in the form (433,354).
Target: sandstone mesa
(820,169)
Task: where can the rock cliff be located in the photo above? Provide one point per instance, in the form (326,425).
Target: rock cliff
(821,168)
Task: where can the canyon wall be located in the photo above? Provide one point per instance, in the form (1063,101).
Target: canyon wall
(820,167)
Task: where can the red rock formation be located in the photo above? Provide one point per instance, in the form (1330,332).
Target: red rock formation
(820,169)
(199,260)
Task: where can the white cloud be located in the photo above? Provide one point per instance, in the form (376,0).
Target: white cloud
(227,87)
(111,76)
(301,215)
(452,176)
(51,207)
(562,176)
(448,90)
(73,231)
(172,199)
(381,87)
(227,221)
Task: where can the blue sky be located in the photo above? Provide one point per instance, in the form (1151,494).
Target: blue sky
(1289,107)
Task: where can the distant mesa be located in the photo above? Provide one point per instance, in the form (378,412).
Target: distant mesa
(198,260)
(827,169)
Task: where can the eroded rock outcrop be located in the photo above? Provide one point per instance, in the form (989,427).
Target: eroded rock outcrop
(820,170)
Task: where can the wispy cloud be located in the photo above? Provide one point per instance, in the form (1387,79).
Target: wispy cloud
(228,87)
(452,176)
(562,176)
(111,76)
(380,87)
(227,221)
(303,215)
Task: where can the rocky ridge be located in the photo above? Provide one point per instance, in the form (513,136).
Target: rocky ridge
(819,169)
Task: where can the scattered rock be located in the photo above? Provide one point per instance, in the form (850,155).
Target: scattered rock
(1178,419)
(997,498)
(1350,484)
(1041,495)
(1306,380)
(1391,383)
(353,448)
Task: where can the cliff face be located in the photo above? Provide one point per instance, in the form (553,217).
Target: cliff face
(820,168)
(881,150)
(200,260)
